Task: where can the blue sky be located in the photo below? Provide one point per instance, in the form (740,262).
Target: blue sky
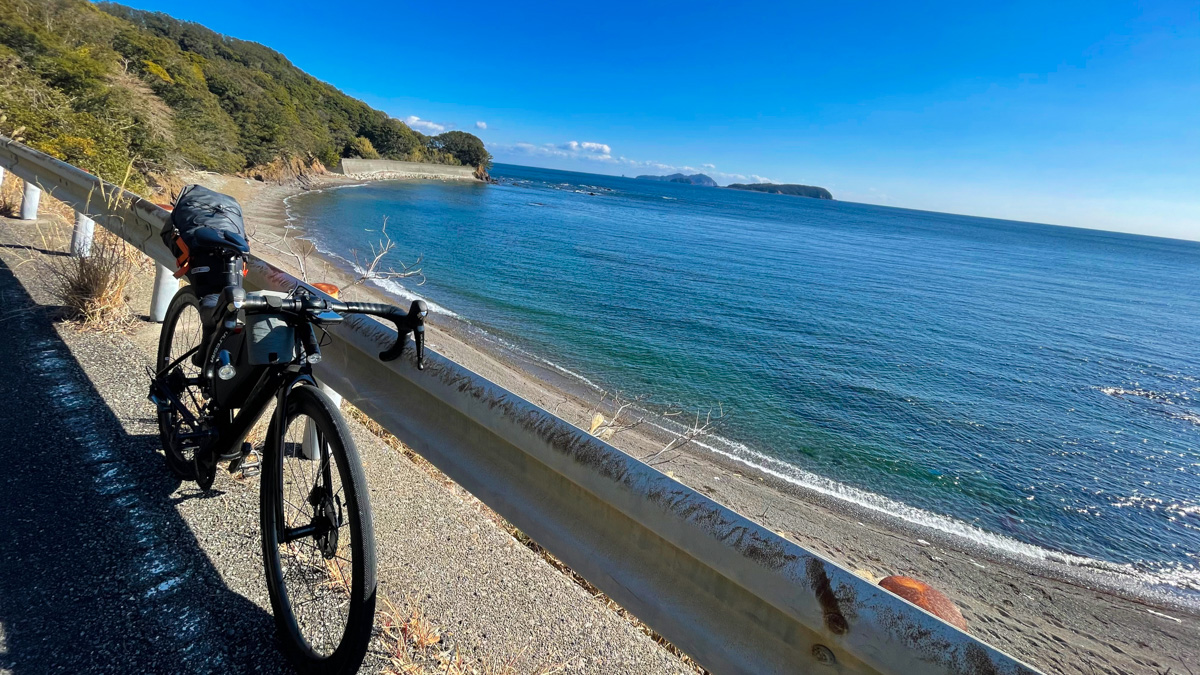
(1084,114)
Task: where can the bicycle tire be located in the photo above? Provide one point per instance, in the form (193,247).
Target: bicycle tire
(305,566)
(183,316)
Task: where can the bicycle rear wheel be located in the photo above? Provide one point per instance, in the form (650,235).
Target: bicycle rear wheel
(182,332)
(318,537)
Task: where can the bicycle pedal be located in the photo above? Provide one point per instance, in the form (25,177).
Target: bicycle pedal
(158,403)
(155,396)
(251,469)
(247,462)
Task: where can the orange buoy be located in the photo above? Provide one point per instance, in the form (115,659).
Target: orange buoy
(328,288)
(927,598)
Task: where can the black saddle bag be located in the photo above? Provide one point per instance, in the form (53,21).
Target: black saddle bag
(208,239)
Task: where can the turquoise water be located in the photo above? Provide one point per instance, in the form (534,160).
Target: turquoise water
(1030,387)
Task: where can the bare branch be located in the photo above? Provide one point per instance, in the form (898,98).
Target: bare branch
(287,246)
(375,270)
(700,427)
(618,420)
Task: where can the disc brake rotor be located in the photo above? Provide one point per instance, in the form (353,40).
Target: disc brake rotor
(326,520)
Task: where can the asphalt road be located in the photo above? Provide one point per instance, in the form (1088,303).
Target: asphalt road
(98,571)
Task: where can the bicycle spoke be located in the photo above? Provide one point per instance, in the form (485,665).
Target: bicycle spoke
(318,581)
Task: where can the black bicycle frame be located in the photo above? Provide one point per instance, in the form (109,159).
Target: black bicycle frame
(275,381)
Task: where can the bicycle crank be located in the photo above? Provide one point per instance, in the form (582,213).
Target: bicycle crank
(205,461)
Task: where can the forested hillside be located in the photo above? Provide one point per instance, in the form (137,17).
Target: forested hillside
(107,87)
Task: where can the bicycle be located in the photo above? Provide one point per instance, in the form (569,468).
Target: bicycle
(222,359)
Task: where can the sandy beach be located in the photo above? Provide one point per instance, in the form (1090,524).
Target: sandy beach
(1055,616)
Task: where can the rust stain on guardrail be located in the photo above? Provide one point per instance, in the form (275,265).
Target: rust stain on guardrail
(818,580)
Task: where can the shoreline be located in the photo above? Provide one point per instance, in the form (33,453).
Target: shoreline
(1049,613)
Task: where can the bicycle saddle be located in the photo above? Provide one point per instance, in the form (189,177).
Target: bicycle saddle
(210,238)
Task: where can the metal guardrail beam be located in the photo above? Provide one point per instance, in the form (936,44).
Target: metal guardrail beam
(734,595)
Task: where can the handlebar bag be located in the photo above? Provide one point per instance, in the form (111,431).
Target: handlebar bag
(270,340)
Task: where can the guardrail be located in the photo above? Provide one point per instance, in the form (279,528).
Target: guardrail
(732,594)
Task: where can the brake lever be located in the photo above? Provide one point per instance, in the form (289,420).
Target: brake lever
(417,313)
(413,322)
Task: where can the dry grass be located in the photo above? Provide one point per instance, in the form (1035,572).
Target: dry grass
(416,646)
(164,187)
(339,580)
(524,539)
(11,193)
(93,288)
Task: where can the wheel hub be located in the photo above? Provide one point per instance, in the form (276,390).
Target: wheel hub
(326,520)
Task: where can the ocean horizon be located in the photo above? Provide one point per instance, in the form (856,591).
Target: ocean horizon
(1027,387)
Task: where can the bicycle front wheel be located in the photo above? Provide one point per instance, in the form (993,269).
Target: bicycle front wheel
(318,538)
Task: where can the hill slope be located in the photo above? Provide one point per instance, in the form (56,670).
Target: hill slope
(106,87)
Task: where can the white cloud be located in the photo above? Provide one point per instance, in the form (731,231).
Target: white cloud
(481,125)
(425,125)
(596,152)
(602,152)
(722,177)
(594,148)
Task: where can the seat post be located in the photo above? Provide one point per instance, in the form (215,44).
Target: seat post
(233,271)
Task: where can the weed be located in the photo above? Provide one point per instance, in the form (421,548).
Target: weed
(92,287)
(416,646)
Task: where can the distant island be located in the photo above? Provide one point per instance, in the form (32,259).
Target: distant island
(785,189)
(694,179)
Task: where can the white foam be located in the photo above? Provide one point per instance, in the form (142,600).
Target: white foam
(395,288)
(547,362)
(1182,576)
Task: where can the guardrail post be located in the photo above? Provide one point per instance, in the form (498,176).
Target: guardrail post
(29,203)
(165,285)
(310,448)
(81,237)
(333,395)
(1,175)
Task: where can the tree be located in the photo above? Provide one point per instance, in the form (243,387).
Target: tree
(361,147)
(392,138)
(466,148)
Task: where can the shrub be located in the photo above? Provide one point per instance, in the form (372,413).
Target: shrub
(361,147)
(92,287)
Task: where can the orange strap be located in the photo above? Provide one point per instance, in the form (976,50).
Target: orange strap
(183,262)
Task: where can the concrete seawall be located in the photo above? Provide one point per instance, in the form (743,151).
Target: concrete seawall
(387,168)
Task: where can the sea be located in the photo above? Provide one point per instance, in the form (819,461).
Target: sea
(1029,388)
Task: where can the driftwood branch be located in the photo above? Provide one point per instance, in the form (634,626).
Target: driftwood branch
(376,270)
(700,427)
